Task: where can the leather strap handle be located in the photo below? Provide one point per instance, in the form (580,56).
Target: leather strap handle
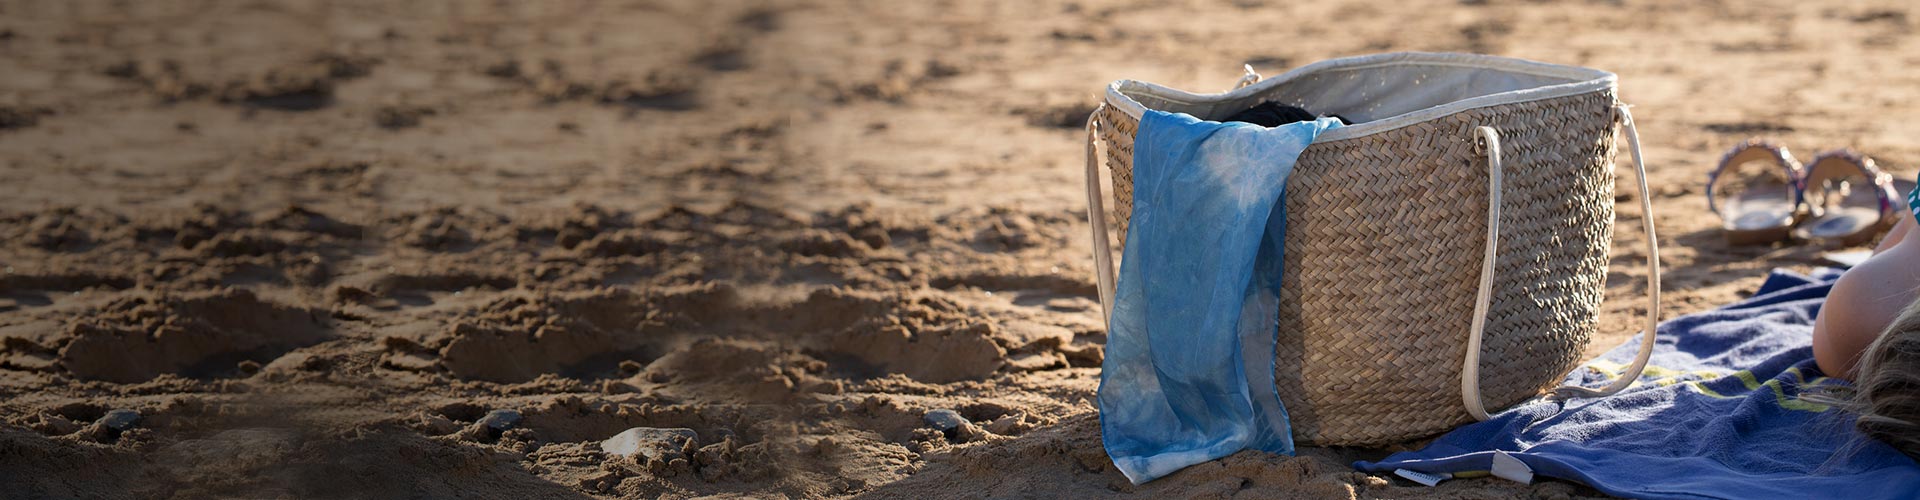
(1489,142)
(1653,278)
(1470,367)
(1097,217)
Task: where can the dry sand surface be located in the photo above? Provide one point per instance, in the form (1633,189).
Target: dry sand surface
(313,244)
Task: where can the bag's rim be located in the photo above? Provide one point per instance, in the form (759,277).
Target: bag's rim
(1120,92)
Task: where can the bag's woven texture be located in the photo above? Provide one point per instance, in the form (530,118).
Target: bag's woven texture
(1385,238)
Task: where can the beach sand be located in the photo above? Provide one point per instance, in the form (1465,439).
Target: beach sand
(314,243)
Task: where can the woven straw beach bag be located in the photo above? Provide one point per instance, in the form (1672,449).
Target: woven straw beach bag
(1445,254)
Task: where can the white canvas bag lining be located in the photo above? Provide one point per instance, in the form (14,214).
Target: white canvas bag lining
(1423,86)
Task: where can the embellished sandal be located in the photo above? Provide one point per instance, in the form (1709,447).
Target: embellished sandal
(1848,199)
(1761,208)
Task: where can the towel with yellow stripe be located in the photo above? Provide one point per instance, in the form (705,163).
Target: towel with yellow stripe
(1718,413)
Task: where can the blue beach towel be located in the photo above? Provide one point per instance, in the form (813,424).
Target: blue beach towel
(1199,286)
(1717,414)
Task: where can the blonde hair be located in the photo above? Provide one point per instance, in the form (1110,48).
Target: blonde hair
(1885,396)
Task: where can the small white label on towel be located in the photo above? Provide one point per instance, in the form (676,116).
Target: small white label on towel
(1422,477)
(1511,469)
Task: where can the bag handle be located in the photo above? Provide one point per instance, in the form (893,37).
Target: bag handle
(1097,217)
(1249,78)
(1489,139)
(1653,278)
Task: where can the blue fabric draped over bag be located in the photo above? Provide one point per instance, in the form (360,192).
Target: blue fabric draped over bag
(1717,414)
(1188,375)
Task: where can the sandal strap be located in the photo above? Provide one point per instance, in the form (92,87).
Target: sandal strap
(1757,149)
(1881,180)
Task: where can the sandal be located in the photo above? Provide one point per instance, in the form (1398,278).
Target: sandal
(1849,199)
(1759,209)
